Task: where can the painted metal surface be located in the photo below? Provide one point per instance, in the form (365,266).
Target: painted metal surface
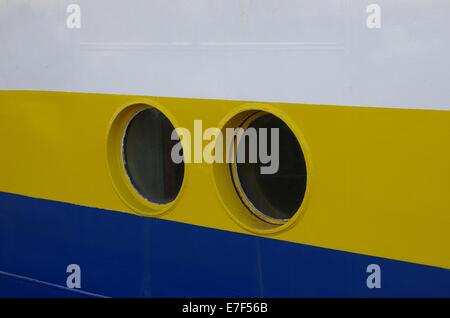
(379,177)
(301,51)
(122,255)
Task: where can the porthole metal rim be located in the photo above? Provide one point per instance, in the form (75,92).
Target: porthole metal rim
(281,114)
(115,159)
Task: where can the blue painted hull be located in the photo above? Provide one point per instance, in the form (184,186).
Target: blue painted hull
(123,255)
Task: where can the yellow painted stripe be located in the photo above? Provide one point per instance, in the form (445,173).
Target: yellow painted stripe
(379,178)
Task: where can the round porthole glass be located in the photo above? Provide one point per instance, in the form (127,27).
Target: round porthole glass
(270,173)
(147,146)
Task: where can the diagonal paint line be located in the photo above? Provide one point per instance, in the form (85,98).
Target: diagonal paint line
(37,281)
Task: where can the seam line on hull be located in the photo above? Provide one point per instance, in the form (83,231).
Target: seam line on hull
(37,281)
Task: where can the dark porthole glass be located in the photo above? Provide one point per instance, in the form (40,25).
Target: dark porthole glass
(275,197)
(147,151)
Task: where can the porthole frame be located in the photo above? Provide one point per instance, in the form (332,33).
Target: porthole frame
(121,181)
(228,192)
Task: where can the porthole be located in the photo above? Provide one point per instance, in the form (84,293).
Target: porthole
(139,153)
(147,158)
(274,196)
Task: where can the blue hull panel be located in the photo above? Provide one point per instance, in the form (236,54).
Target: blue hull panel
(123,255)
